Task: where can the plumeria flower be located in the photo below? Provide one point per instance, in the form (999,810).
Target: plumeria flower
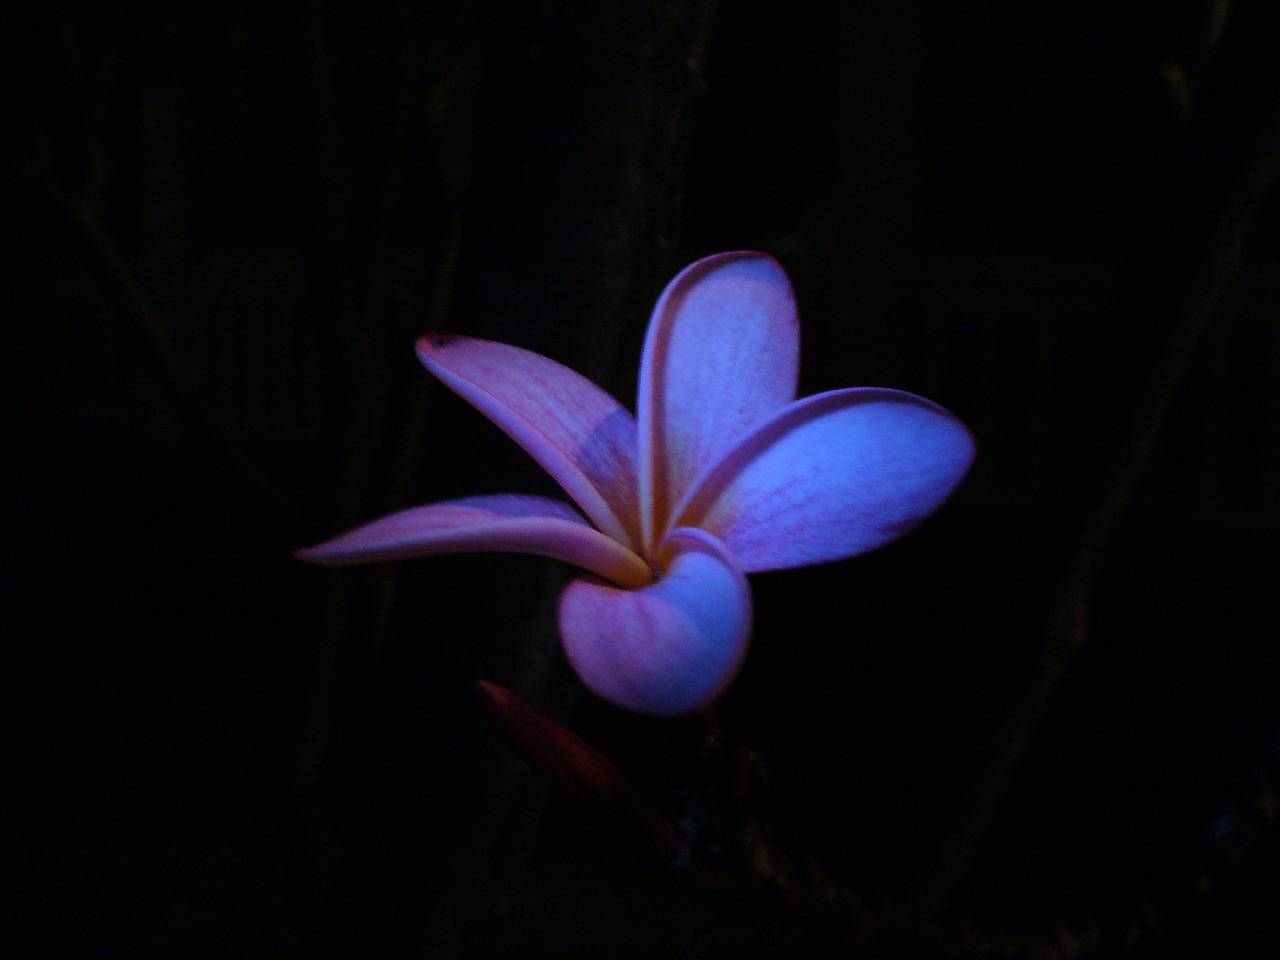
(720,473)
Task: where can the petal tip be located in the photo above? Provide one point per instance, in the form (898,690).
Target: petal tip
(750,264)
(313,554)
(431,343)
(493,697)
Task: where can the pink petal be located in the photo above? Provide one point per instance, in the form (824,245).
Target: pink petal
(721,355)
(579,434)
(833,475)
(667,649)
(504,523)
(577,766)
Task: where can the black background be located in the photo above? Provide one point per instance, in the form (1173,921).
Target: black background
(231,224)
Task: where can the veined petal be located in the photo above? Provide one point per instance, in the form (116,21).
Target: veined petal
(579,434)
(721,355)
(832,476)
(505,523)
(667,649)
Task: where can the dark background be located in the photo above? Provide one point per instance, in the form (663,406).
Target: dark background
(231,223)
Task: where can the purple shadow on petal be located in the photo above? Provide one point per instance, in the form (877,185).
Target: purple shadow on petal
(667,649)
(575,430)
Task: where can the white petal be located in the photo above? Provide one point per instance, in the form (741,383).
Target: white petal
(721,355)
(832,476)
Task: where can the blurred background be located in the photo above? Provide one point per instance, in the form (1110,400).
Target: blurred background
(1052,708)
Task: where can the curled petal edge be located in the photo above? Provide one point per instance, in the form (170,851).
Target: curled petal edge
(672,647)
